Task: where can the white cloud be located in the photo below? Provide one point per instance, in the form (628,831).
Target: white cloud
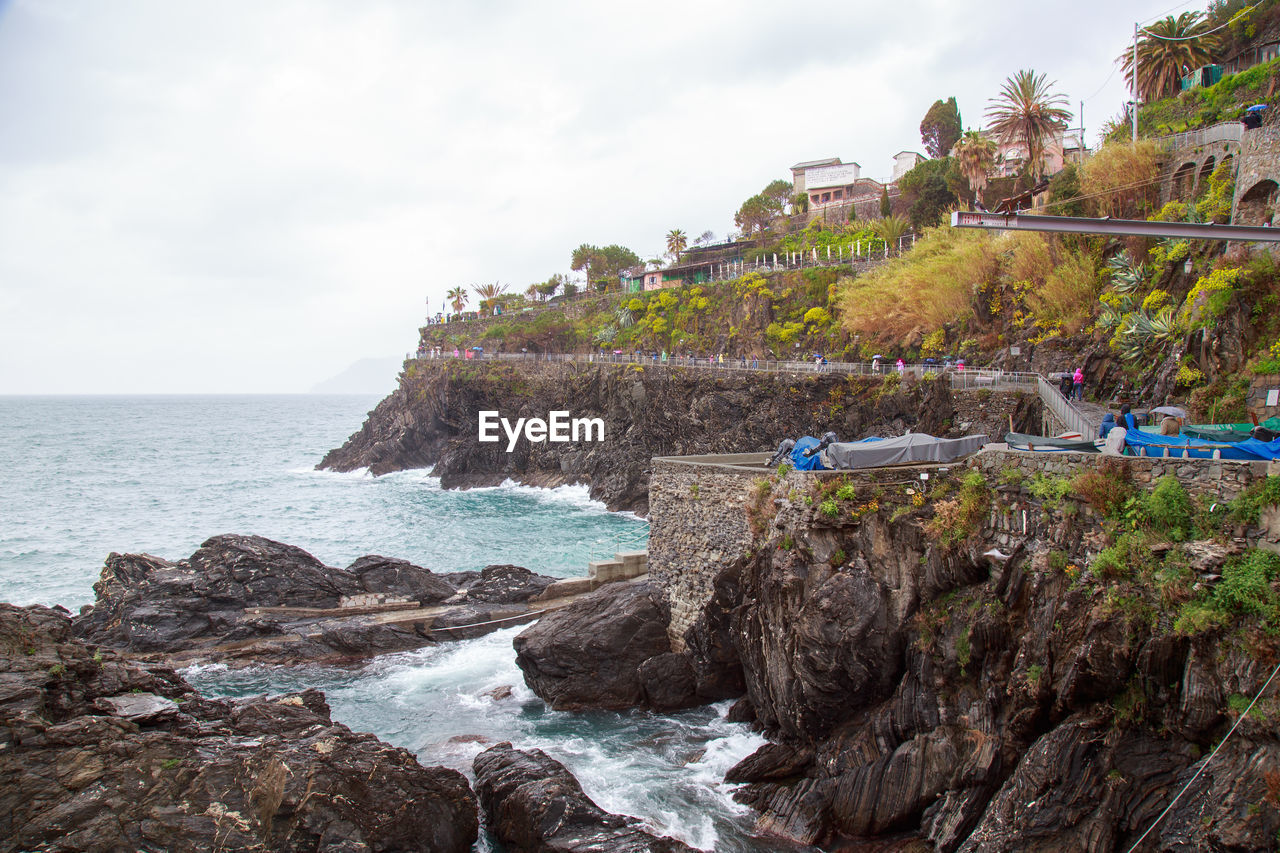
(250,196)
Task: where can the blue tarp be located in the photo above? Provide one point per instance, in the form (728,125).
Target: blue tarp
(807,463)
(1181,446)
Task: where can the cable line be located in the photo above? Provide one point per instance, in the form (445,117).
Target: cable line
(1205,763)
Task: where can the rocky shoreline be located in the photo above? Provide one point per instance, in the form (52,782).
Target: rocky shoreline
(99,752)
(246,599)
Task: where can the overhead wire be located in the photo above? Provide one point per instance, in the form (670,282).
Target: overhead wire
(1234,18)
(1205,763)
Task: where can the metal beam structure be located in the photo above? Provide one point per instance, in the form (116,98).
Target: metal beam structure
(1115,227)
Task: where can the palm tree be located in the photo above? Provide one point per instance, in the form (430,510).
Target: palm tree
(1028,113)
(677,242)
(891,228)
(457,298)
(532,291)
(975,154)
(1169,49)
(489,294)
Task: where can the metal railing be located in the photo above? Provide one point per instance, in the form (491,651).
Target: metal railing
(962,378)
(1227,131)
(1060,407)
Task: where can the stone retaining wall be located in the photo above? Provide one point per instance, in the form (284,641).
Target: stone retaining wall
(697,525)
(1257,399)
(1223,478)
(698,506)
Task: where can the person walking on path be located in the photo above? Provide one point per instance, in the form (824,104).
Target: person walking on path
(1077,384)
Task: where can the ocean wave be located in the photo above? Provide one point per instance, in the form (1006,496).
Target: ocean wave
(325,473)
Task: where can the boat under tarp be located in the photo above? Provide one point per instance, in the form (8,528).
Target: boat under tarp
(912,447)
(1022,441)
(1140,443)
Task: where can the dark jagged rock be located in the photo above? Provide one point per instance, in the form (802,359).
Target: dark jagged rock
(431,420)
(589,654)
(246,598)
(928,696)
(98,753)
(400,578)
(505,584)
(533,803)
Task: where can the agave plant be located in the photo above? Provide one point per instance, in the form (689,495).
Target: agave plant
(1109,320)
(1127,275)
(606,335)
(1164,326)
(1137,327)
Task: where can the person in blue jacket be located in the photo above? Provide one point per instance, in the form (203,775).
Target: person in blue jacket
(1108,424)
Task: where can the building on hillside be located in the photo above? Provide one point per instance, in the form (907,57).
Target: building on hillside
(826,182)
(905,161)
(640,278)
(1066,147)
(837,192)
(799,169)
(1263,50)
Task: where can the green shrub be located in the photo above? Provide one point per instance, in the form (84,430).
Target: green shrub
(1050,488)
(1168,508)
(1247,506)
(1105,489)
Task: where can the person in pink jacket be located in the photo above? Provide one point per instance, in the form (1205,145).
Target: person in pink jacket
(1077,384)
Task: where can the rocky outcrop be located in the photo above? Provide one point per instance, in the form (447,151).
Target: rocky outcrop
(984,691)
(533,803)
(432,420)
(98,753)
(609,650)
(246,598)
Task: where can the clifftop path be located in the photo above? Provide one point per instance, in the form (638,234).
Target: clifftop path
(648,411)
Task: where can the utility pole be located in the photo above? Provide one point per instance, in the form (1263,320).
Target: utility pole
(1134,87)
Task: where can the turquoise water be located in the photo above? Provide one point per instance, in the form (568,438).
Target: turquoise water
(81,477)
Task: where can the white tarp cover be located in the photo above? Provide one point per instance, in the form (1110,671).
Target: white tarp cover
(912,447)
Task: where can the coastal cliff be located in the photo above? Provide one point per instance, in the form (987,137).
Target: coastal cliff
(1030,652)
(1020,661)
(648,411)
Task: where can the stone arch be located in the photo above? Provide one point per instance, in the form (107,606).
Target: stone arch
(1183,181)
(1257,205)
(1206,169)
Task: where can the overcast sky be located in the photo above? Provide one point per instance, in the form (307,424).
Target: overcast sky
(243,197)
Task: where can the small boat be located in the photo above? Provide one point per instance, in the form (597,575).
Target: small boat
(1072,442)
(1142,443)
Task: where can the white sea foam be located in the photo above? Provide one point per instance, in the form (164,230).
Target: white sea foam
(196,670)
(325,473)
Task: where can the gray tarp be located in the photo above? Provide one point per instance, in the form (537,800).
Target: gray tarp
(912,447)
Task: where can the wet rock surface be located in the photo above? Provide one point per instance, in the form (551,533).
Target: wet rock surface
(431,420)
(929,695)
(99,753)
(246,599)
(610,651)
(533,803)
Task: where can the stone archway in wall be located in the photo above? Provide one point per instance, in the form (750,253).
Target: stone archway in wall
(1258,204)
(1183,181)
(1202,181)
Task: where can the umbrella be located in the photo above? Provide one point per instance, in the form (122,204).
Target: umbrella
(1171,411)
(478,349)
(1256,108)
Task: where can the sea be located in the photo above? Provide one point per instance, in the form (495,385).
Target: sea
(81,477)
